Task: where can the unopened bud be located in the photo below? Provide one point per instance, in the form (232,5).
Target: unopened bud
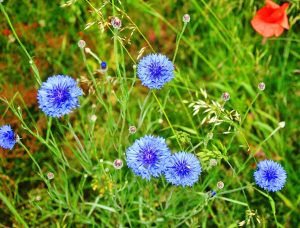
(118,164)
(213,162)
(81,44)
(225,96)
(220,185)
(87,50)
(261,86)
(132,130)
(93,118)
(186,18)
(50,175)
(116,22)
(281,124)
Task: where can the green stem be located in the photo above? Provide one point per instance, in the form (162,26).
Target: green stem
(258,148)
(121,78)
(13,210)
(32,64)
(33,159)
(249,108)
(178,41)
(241,187)
(176,90)
(243,120)
(99,95)
(48,129)
(167,118)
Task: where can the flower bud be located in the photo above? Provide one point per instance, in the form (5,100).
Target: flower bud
(226,96)
(81,44)
(118,164)
(186,18)
(261,86)
(116,22)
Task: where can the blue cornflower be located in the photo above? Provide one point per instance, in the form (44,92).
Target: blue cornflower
(270,176)
(103,65)
(183,169)
(7,137)
(58,96)
(212,193)
(155,70)
(147,156)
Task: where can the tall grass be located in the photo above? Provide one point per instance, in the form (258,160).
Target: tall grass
(217,52)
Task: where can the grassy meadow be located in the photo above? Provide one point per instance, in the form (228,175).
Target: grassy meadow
(217,51)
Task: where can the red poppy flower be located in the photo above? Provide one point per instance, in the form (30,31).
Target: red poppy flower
(271,20)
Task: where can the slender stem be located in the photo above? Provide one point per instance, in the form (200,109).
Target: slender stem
(243,120)
(121,78)
(234,190)
(249,108)
(187,112)
(178,41)
(48,129)
(241,187)
(32,64)
(12,209)
(33,159)
(273,209)
(176,90)
(95,57)
(99,95)
(258,148)
(167,118)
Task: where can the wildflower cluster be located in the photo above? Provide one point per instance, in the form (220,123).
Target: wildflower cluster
(150,156)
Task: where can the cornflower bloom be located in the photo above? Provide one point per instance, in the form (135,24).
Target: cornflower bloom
(147,156)
(7,137)
(58,96)
(183,169)
(155,70)
(270,176)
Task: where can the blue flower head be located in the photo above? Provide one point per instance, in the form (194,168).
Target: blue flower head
(155,70)
(147,156)
(270,176)
(7,137)
(183,169)
(58,96)
(103,65)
